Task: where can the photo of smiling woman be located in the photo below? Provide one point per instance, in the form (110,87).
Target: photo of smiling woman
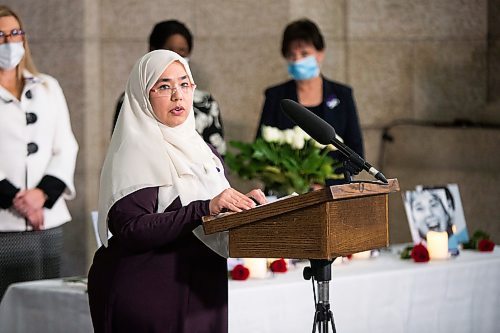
(428,213)
(159,272)
(436,209)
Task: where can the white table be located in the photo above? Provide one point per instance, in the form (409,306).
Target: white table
(384,294)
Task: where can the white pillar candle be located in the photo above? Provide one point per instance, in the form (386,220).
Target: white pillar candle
(437,244)
(362,255)
(257,267)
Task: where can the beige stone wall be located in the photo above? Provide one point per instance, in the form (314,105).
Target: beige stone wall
(423,60)
(493,59)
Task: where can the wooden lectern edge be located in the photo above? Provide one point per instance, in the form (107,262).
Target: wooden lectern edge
(213,224)
(363,189)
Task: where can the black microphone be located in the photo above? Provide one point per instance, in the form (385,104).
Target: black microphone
(324,133)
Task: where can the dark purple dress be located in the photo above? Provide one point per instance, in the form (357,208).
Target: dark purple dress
(155,275)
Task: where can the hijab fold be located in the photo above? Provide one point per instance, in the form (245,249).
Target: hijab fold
(146,153)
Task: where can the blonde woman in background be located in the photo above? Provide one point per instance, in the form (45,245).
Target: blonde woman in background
(37,161)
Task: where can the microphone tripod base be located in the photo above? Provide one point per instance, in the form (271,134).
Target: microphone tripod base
(321,272)
(322,318)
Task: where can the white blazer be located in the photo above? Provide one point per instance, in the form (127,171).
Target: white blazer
(57,146)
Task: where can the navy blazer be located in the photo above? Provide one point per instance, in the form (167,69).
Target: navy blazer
(338,106)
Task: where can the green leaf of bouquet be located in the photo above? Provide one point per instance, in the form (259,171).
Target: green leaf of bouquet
(280,166)
(312,159)
(290,164)
(272,169)
(273,177)
(327,170)
(298,183)
(264,149)
(245,148)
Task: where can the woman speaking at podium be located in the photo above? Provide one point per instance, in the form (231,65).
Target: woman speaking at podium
(160,272)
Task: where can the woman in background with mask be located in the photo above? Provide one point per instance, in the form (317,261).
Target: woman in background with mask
(37,161)
(303,48)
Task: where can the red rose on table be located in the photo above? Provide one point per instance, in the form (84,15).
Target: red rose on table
(485,245)
(240,272)
(279,266)
(420,253)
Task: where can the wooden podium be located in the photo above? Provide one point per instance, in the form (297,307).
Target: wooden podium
(324,224)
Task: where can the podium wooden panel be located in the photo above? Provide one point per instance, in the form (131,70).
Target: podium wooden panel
(325,224)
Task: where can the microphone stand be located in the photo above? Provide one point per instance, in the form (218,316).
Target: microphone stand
(354,164)
(350,170)
(321,270)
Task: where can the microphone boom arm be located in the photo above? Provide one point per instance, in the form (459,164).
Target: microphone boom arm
(357,162)
(324,133)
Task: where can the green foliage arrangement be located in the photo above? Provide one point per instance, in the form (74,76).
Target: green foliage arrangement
(286,161)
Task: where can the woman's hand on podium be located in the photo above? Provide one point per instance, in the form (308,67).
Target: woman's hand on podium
(230,200)
(257,196)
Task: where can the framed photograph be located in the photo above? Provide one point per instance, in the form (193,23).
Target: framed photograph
(436,208)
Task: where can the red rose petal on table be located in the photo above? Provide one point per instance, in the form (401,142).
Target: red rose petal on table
(419,253)
(240,272)
(485,245)
(279,266)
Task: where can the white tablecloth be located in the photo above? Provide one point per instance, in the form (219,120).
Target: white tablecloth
(384,294)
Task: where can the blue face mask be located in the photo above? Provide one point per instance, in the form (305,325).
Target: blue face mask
(304,69)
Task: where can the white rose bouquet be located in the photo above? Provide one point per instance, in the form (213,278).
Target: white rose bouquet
(286,161)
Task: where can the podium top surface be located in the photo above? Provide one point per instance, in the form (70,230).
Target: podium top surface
(227,221)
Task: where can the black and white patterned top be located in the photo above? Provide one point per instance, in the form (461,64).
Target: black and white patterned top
(207,118)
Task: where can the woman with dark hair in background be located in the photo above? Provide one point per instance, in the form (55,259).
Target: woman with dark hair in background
(37,161)
(303,48)
(175,36)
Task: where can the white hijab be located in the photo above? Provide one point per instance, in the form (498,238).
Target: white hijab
(145,153)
